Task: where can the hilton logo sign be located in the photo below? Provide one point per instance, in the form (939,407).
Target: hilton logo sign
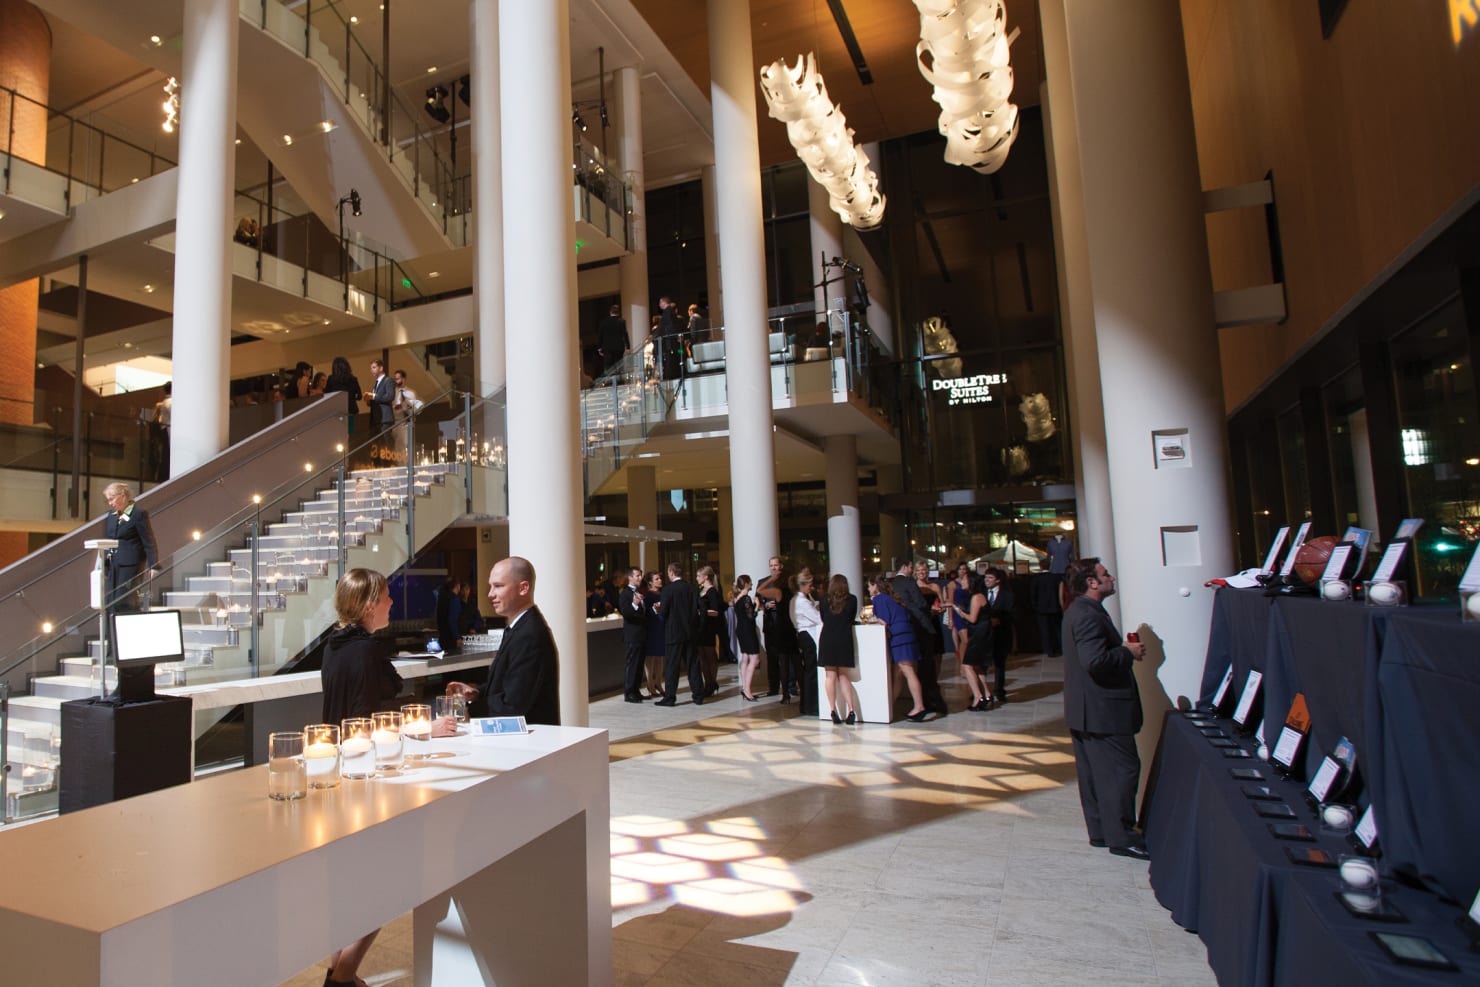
(968,390)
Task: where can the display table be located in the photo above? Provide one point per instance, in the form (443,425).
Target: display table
(1219,870)
(873,676)
(214,882)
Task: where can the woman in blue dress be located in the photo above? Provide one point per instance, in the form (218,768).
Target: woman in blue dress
(890,612)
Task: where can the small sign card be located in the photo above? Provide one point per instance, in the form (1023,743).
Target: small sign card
(1297,725)
(1470,582)
(1325,779)
(1366,831)
(1246,699)
(488,726)
(1274,550)
(1360,537)
(1388,564)
(1222,693)
(1408,527)
(1299,540)
(1336,563)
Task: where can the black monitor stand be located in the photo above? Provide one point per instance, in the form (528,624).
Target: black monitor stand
(135,683)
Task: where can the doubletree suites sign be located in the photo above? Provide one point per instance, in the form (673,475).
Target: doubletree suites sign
(968,390)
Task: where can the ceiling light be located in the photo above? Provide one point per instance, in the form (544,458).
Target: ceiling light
(434,274)
(149,289)
(2,213)
(432,70)
(963,54)
(327,126)
(354,20)
(238,142)
(155,40)
(287,140)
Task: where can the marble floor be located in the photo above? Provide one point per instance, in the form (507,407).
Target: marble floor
(754,847)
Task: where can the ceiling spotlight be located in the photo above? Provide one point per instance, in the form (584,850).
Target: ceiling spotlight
(238,142)
(575,118)
(354,20)
(328,126)
(155,40)
(354,201)
(436,104)
(432,70)
(465,90)
(434,274)
(287,140)
(605,120)
(149,289)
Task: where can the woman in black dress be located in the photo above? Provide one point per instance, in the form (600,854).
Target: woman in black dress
(657,646)
(712,609)
(978,651)
(835,651)
(747,637)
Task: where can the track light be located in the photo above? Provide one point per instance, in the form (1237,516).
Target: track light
(465,90)
(575,118)
(436,104)
(353,200)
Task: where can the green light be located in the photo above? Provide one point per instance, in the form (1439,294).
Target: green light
(579,245)
(405,282)
(1444,546)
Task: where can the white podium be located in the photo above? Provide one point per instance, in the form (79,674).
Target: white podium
(873,676)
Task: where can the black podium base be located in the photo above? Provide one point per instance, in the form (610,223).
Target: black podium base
(112,752)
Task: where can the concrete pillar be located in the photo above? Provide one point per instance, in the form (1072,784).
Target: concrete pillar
(1151,303)
(634,266)
(488,211)
(894,542)
(203,228)
(1361,442)
(713,261)
(743,278)
(844,539)
(827,241)
(642,512)
(725,508)
(546,514)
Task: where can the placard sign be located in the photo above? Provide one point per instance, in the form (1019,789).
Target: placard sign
(1222,692)
(1388,564)
(1366,831)
(1470,583)
(1300,534)
(1325,777)
(1408,527)
(1336,564)
(1274,550)
(1246,698)
(1297,725)
(489,726)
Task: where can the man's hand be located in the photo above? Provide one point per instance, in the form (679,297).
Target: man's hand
(1136,648)
(444,726)
(468,692)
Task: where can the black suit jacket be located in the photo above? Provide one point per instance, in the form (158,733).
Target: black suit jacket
(524,679)
(908,592)
(612,338)
(1100,693)
(1000,608)
(680,612)
(634,617)
(135,537)
(383,396)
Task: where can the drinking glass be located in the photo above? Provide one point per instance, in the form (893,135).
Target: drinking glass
(416,727)
(357,748)
(453,706)
(321,752)
(286,776)
(390,749)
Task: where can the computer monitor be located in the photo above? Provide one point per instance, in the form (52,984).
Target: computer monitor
(140,640)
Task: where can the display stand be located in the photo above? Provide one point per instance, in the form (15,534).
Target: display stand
(118,750)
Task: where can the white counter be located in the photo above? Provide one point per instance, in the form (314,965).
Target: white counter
(213,882)
(873,677)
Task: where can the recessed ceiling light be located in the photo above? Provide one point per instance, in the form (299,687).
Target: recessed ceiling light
(287,140)
(431,70)
(327,125)
(128,346)
(155,40)
(2,213)
(149,289)
(434,274)
(238,142)
(354,20)
(326,322)
(133,181)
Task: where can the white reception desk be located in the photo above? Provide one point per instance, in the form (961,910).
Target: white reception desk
(500,847)
(873,677)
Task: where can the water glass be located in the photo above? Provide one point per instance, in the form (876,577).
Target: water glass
(321,752)
(287,778)
(357,748)
(390,749)
(416,727)
(453,706)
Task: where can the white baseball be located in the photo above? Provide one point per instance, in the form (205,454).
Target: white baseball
(1184,591)
(1337,816)
(1359,874)
(1473,605)
(1336,590)
(1383,593)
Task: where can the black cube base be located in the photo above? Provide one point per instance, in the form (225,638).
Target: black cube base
(112,752)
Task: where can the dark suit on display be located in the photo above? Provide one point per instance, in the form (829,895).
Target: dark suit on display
(634,640)
(908,593)
(1045,593)
(524,679)
(681,624)
(1102,709)
(135,551)
(999,613)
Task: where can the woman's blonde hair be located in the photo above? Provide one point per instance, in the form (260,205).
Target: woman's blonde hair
(708,573)
(357,592)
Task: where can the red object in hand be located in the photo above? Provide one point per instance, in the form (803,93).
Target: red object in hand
(1133,637)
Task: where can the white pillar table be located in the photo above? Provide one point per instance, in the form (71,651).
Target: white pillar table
(873,676)
(499,845)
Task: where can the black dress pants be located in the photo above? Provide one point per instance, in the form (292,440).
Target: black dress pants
(632,673)
(807,675)
(928,671)
(1051,633)
(680,656)
(1109,769)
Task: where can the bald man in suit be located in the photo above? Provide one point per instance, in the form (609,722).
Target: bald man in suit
(524,679)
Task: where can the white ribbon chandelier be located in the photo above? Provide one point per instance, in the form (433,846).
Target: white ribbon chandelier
(798,97)
(967,64)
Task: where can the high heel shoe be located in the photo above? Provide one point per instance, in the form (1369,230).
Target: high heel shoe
(852,718)
(749,699)
(918,717)
(836,718)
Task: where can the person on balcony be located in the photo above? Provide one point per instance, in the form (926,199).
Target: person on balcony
(612,340)
(670,339)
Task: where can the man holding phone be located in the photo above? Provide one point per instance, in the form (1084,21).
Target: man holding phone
(1102,708)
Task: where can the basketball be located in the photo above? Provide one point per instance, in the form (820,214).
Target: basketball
(1310,561)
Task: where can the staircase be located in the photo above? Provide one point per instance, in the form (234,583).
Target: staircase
(296,572)
(617,414)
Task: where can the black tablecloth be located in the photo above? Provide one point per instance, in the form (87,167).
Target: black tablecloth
(1265,921)
(1236,635)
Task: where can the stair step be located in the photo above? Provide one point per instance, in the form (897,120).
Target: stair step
(66,686)
(37,709)
(30,737)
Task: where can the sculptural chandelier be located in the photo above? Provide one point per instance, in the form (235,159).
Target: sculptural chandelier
(798,98)
(963,53)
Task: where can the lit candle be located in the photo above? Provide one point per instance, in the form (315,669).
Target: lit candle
(357,746)
(385,740)
(418,729)
(323,763)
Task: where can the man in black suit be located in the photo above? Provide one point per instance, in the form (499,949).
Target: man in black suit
(524,679)
(679,605)
(612,340)
(381,398)
(999,613)
(908,593)
(634,634)
(1102,708)
(129,523)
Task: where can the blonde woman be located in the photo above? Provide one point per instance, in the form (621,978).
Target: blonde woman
(806,617)
(747,637)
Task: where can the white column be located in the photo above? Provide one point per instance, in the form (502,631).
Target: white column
(743,279)
(642,512)
(827,241)
(713,259)
(1361,443)
(844,539)
(203,227)
(634,266)
(545,489)
(488,205)
(1152,310)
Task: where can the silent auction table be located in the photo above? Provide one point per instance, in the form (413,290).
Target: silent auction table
(498,845)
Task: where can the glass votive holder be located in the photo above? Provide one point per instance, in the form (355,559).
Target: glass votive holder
(416,727)
(321,754)
(1361,885)
(286,776)
(453,706)
(390,749)
(1336,817)
(357,748)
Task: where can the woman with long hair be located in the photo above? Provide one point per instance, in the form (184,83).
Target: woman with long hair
(978,650)
(657,641)
(806,617)
(712,612)
(901,625)
(835,651)
(960,589)
(747,637)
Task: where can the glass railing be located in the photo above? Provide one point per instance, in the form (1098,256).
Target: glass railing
(605,199)
(618,411)
(79,160)
(108,447)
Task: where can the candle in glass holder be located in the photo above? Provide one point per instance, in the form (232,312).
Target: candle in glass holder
(416,726)
(357,749)
(321,754)
(389,747)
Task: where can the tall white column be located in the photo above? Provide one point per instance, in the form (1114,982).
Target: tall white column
(1152,310)
(634,266)
(733,85)
(545,489)
(642,512)
(203,227)
(488,205)
(827,241)
(713,258)
(844,539)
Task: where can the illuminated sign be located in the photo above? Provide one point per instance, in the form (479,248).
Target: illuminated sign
(1463,16)
(968,390)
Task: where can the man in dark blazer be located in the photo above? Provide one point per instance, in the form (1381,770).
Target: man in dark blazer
(908,593)
(1102,708)
(612,340)
(783,654)
(382,399)
(999,613)
(634,634)
(129,523)
(679,605)
(524,679)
